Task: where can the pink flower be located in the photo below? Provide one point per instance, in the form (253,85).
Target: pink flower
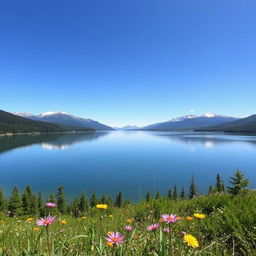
(153,227)
(50,205)
(170,218)
(166,230)
(128,228)
(46,221)
(115,238)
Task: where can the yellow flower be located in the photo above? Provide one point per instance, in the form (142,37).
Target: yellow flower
(29,219)
(189,218)
(199,215)
(129,221)
(110,232)
(36,229)
(109,244)
(83,218)
(110,216)
(63,222)
(102,206)
(191,241)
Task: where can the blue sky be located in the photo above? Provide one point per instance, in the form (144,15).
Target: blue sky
(128,61)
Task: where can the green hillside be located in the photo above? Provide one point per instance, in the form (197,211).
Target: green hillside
(10,123)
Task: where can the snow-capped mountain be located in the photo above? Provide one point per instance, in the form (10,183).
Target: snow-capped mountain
(63,118)
(129,127)
(191,122)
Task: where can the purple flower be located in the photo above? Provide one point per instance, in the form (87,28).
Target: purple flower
(153,227)
(46,221)
(170,218)
(115,238)
(166,230)
(128,228)
(50,205)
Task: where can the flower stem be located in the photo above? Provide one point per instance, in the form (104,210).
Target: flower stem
(48,240)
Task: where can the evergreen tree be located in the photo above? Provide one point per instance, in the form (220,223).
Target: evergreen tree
(119,199)
(2,201)
(158,195)
(61,201)
(219,184)
(192,190)
(74,208)
(103,199)
(148,197)
(29,202)
(175,193)
(40,206)
(211,190)
(238,183)
(83,204)
(169,194)
(183,194)
(51,198)
(93,199)
(14,204)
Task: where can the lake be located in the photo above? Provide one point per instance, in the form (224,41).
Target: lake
(134,162)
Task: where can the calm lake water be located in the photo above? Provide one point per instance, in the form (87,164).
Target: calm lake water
(134,162)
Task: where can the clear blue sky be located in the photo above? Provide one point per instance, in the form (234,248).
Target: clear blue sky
(128,61)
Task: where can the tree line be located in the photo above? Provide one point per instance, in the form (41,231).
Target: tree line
(28,203)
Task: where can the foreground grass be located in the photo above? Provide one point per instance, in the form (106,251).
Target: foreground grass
(229,228)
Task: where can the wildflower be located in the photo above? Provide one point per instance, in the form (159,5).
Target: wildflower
(166,230)
(170,218)
(83,218)
(129,221)
(36,229)
(46,221)
(29,219)
(62,230)
(110,216)
(115,238)
(63,222)
(128,228)
(153,227)
(199,215)
(190,240)
(102,206)
(189,218)
(136,236)
(109,232)
(50,205)
(109,244)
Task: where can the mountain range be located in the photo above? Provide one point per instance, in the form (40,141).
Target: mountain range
(66,120)
(190,122)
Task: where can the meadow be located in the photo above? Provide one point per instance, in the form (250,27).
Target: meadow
(220,223)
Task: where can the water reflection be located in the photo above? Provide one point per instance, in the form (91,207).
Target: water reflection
(48,142)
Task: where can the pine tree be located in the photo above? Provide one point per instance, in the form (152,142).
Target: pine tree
(61,201)
(83,204)
(192,190)
(14,204)
(29,202)
(2,201)
(148,197)
(74,208)
(238,183)
(119,199)
(93,199)
(175,193)
(169,194)
(51,198)
(40,206)
(158,195)
(211,190)
(183,194)
(219,184)
(103,199)
(110,201)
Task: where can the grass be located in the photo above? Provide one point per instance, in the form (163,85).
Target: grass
(229,228)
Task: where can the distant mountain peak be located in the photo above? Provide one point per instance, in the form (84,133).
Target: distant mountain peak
(208,114)
(50,113)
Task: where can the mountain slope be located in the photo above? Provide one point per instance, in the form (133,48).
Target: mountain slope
(62,118)
(10,123)
(247,124)
(190,122)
